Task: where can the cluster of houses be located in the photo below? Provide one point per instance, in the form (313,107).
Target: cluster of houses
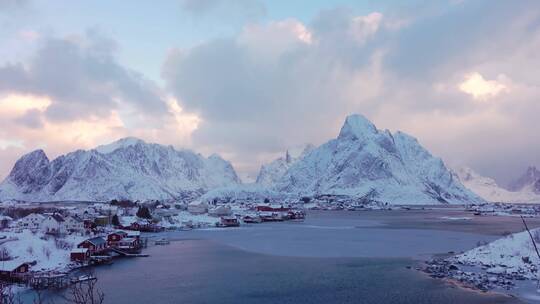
(52,223)
(504,209)
(102,231)
(119,241)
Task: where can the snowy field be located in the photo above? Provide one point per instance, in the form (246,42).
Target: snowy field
(47,252)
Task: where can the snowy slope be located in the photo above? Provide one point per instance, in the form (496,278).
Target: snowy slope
(488,189)
(509,251)
(273,171)
(367,162)
(26,247)
(126,169)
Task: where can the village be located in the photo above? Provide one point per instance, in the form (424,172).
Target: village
(42,244)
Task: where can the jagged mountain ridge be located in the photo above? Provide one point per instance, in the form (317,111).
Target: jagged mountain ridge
(366,162)
(489,190)
(126,169)
(271,172)
(529,181)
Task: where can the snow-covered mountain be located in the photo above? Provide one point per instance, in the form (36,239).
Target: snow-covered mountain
(367,162)
(529,182)
(488,189)
(126,169)
(273,171)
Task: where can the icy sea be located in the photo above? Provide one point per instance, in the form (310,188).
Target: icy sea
(332,257)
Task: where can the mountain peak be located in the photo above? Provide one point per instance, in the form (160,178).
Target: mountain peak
(120,143)
(527,180)
(357,126)
(533,172)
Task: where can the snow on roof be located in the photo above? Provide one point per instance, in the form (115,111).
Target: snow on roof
(34,215)
(10,265)
(58,218)
(127,220)
(96,240)
(5,217)
(79,250)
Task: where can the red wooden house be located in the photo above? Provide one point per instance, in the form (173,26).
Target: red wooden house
(94,245)
(12,269)
(80,254)
(115,237)
(272,208)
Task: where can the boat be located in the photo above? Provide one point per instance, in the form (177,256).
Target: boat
(83,278)
(162,241)
(253,219)
(228,221)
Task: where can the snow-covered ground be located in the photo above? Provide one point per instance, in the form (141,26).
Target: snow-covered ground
(197,220)
(514,253)
(48,252)
(489,190)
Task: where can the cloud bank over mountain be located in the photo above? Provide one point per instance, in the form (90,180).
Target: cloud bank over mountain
(466,87)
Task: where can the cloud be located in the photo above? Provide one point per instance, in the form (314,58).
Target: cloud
(264,90)
(273,86)
(24,126)
(13,4)
(74,94)
(225,9)
(363,27)
(479,88)
(82,78)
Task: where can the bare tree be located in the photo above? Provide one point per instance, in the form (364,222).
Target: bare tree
(47,252)
(7,296)
(85,292)
(5,255)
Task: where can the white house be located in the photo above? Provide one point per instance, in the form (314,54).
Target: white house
(54,224)
(5,221)
(220,211)
(197,207)
(73,224)
(32,221)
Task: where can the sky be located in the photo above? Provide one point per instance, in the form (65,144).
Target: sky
(249,79)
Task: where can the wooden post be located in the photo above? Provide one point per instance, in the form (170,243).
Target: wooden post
(534,244)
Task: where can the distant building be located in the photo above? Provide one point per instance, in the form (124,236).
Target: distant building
(102,221)
(94,245)
(10,270)
(197,207)
(5,221)
(220,211)
(80,254)
(54,224)
(115,237)
(73,224)
(272,208)
(32,221)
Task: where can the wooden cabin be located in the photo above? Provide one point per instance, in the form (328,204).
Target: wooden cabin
(94,245)
(229,221)
(115,237)
(80,254)
(12,270)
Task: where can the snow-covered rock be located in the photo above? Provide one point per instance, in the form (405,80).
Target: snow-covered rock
(367,162)
(26,247)
(530,181)
(273,171)
(126,169)
(252,192)
(514,253)
(488,189)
